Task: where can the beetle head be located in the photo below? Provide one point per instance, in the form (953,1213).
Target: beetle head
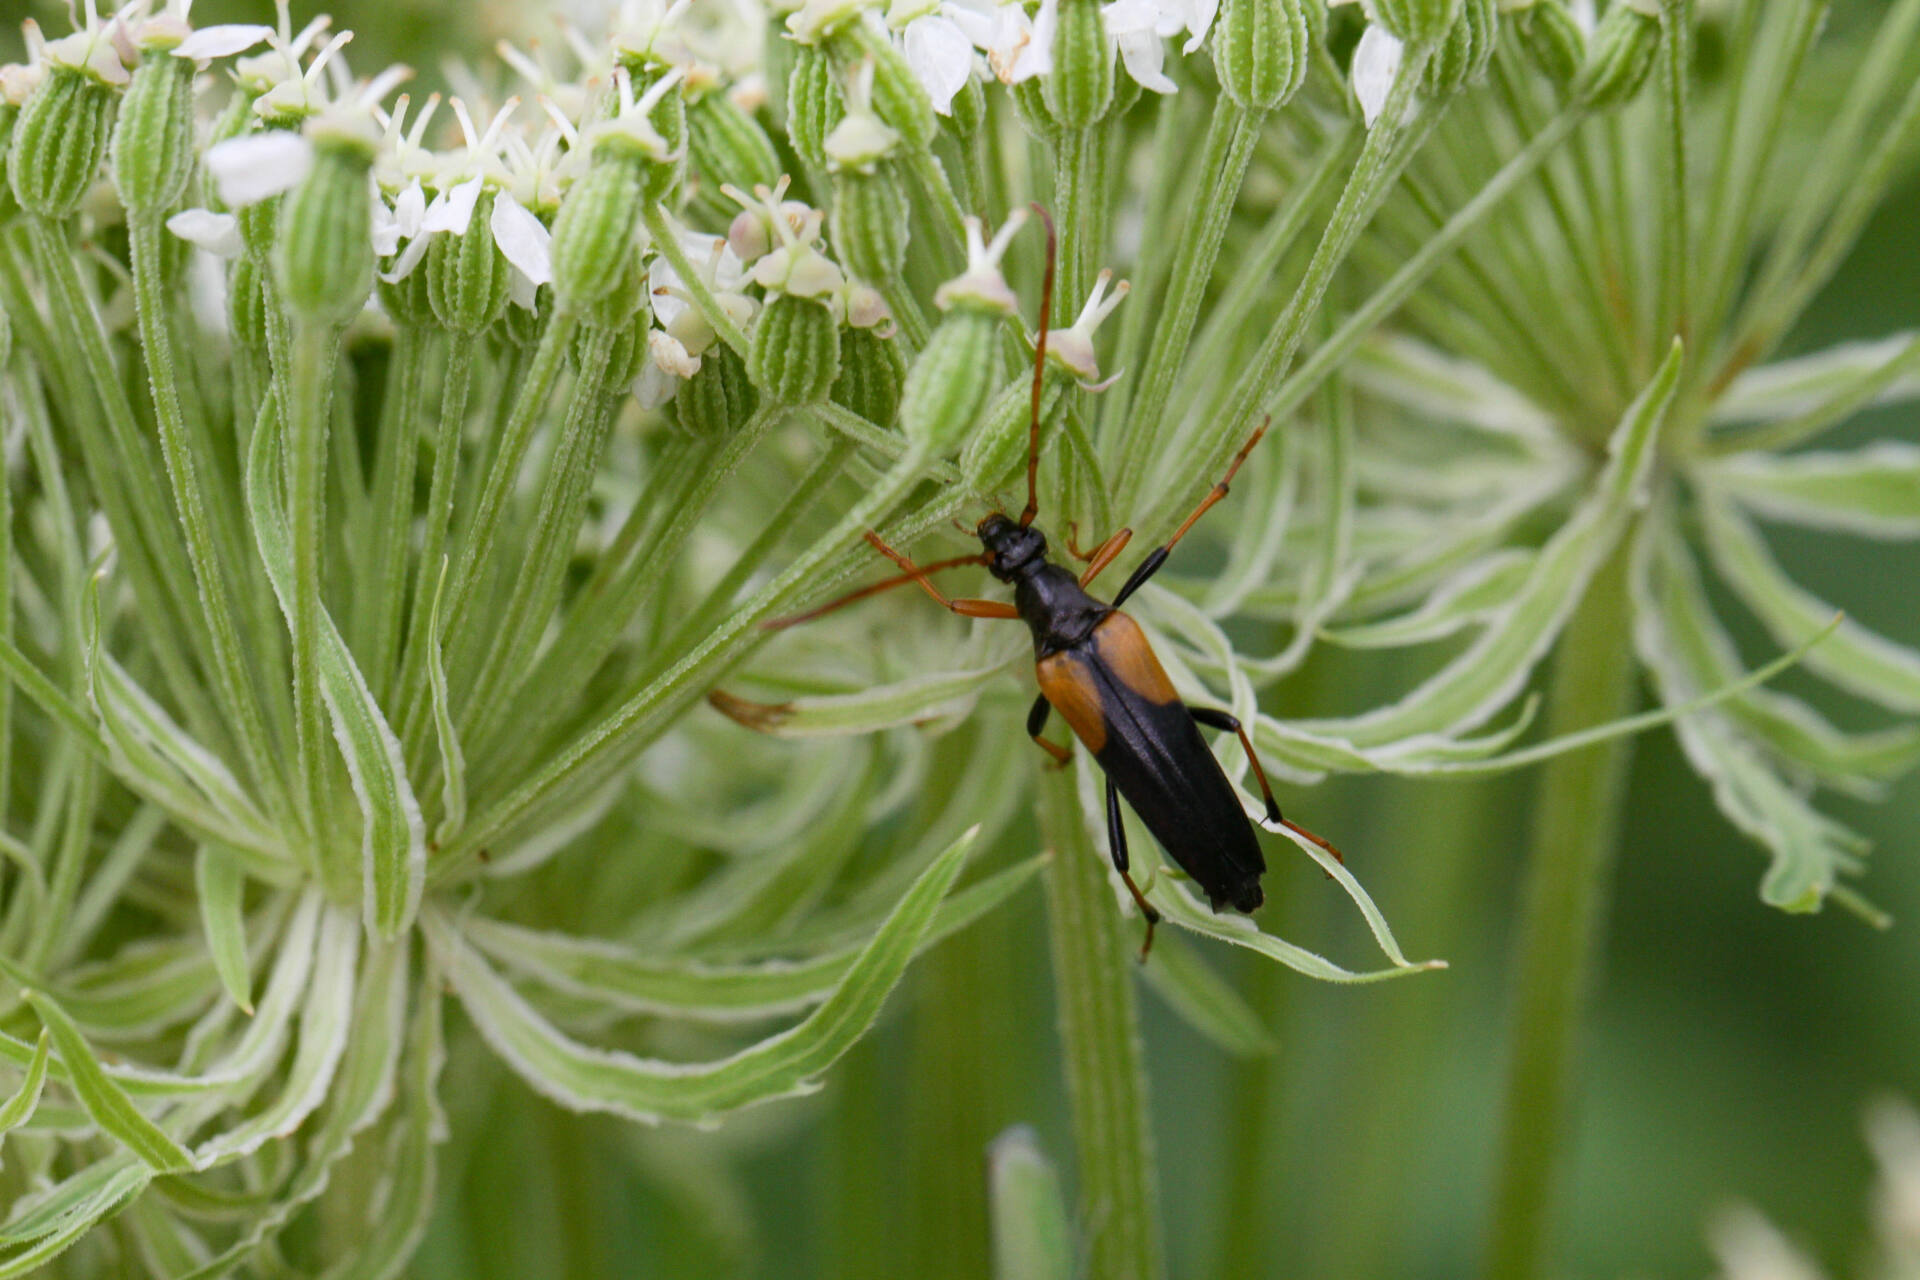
(1010,547)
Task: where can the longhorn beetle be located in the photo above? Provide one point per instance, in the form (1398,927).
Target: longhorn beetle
(1097,670)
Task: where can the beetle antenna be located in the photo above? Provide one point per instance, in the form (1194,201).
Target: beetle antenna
(871,589)
(1039,371)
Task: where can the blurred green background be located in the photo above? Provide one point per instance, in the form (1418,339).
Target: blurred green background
(1730,1054)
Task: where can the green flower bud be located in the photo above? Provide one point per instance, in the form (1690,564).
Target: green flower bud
(949,380)
(153,143)
(968,111)
(898,98)
(1461,58)
(594,232)
(870,224)
(1415,21)
(466,274)
(994,452)
(1080,89)
(871,373)
(1619,58)
(719,399)
(248,305)
(795,352)
(815,106)
(59,140)
(323,256)
(1553,41)
(1260,51)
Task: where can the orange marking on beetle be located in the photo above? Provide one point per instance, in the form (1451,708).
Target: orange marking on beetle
(1123,647)
(1075,694)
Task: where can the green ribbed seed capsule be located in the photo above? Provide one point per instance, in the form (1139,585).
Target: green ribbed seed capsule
(1080,89)
(466,274)
(617,306)
(1415,21)
(323,256)
(872,372)
(1461,59)
(153,143)
(777,54)
(1619,58)
(968,111)
(950,379)
(593,235)
(994,452)
(726,145)
(247,304)
(795,351)
(815,105)
(898,98)
(405,300)
(59,141)
(870,224)
(718,400)
(1030,101)
(1260,51)
(1553,41)
(662,175)
(523,326)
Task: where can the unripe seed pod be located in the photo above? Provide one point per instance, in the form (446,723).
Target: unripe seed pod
(968,110)
(1415,21)
(777,56)
(1314,12)
(872,372)
(725,144)
(405,300)
(618,305)
(898,98)
(718,400)
(1461,58)
(625,352)
(993,452)
(467,275)
(1619,58)
(950,379)
(1554,42)
(523,327)
(59,140)
(259,225)
(153,143)
(795,352)
(1080,89)
(323,257)
(661,178)
(630,354)
(247,304)
(1126,92)
(870,224)
(1260,52)
(593,235)
(814,104)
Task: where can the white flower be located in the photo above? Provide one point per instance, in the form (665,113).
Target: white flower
(1376,62)
(402,222)
(524,241)
(217,233)
(937,50)
(102,50)
(1073,347)
(258,166)
(1017,47)
(1140,28)
(222,41)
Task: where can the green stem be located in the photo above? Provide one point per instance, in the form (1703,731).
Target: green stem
(1100,1042)
(306,465)
(1563,910)
(395,456)
(667,240)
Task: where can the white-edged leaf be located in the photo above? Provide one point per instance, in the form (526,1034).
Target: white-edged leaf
(52,1220)
(783,1065)
(453,762)
(326,1017)
(16,1110)
(144,989)
(1496,666)
(1204,1000)
(104,1100)
(945,693)
(1808,849)
(1791,388)
(393,843)
(1468,597)
(1873,491)
(1858,659)
(222,890)
(1032,1238)
(618,976)
(1433,384)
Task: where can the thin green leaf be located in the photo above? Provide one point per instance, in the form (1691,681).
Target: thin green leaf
(1874,492)
(942,694)
(222,890)
(104,1100)
(1799,387)
(52,1223)
(619,977)
(783,1065)
(393,843)
(1857,659)
(1031,1236)
(1204,1000)
(453,763)
(21,1105)
(1435,385)
(1471,596)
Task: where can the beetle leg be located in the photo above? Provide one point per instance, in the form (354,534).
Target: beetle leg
(1117,846)
(1158,556)
(969,608)
(1037,721)
(1226,720)
(1103,555)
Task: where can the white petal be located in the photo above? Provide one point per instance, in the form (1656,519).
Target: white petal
(672,357)
(452,210)
(1199,21)
(386,232)
(1143,53)
(522,238)
(259,166)
(523,293)
(1376,61)
(217,233)
(1129,17)
(655,386)
(1036,59)
(409,259)
(222,41)
(410,209)
(941,57)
